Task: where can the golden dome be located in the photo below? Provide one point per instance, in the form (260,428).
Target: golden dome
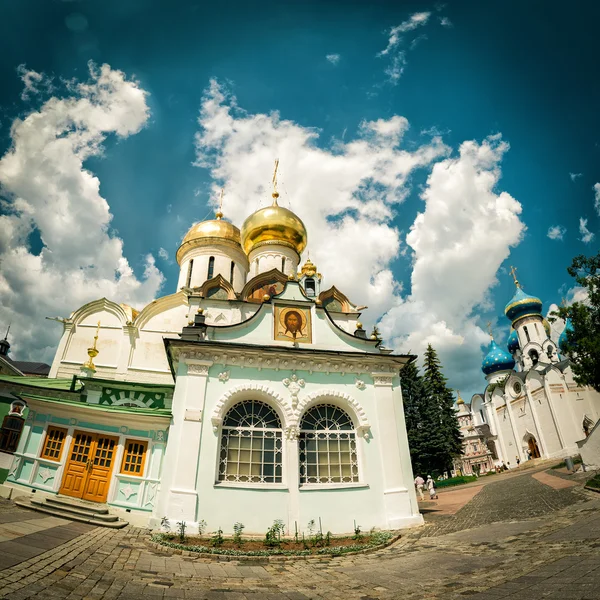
(210,232)
(273,225)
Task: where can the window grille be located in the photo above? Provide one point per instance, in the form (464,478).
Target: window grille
(251,444)
(53,445)
(327,446)
(134,457)
(10,433)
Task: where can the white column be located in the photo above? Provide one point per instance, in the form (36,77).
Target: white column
(293,476)
(399,496)
(561,437)
(536,421)
(513,425)
(493,418)
(179,496)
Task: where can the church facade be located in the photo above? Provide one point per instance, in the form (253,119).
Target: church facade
(532,407)
(250,394)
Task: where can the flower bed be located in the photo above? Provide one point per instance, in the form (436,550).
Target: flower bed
(313,547)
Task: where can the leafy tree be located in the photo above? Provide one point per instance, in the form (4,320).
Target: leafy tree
(445,432)
(583,338)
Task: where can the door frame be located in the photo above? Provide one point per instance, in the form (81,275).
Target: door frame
(96,435)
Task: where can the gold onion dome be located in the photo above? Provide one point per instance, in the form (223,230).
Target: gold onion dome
(273,225)
(209,232)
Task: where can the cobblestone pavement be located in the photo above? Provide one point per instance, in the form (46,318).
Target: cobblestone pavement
(517,538)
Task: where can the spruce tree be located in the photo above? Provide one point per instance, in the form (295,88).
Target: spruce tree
(446,442)
(421,418)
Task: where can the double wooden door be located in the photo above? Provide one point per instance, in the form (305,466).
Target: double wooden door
(89,466)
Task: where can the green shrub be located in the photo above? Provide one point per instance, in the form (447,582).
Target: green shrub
(3,475)
(594,482)
(455,481)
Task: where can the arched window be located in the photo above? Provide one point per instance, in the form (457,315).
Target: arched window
(10,432)
(534,357)
(309,286)
(231,273)
(526,333)
(189,273)
(327,446)
(211,267)
(283,264)
(251,443)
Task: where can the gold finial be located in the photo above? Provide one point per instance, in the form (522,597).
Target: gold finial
(275,193)
(219,213)
(490,331)
(358,325)
(513,272)
(266,298)
(459,400)
(92,352)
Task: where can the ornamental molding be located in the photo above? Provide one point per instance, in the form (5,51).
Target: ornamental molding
(354,365)
(360,384)
(198,368)
(292,433)
(264,392)
(224,376)
(383,379)
(343,400)
(294,385)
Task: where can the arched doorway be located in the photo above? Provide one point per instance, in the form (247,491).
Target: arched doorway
(532,446)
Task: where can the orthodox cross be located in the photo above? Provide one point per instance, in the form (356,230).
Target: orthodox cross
(513,272)
(219,214)
(275,192)
(489,326)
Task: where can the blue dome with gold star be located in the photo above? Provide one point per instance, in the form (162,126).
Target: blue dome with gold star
(496,360)
(522,305)
(513,342)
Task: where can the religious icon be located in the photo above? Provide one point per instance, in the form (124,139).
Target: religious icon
(292,324)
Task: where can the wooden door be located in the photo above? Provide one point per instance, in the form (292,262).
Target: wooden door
(102,459)
(89,466)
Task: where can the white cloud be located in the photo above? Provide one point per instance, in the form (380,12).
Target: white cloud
(556,232)
(350,192)
(586,235)
(334,59)
(459,242)
(575,176)
(446,22)
(163,254)
(48,191)
(395,40)
(33,82)
(343,193)
(597,198)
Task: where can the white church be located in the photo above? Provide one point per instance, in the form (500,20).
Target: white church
(532,407)
(250,394)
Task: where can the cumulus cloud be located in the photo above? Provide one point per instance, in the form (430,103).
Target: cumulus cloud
(334,59)
(34,83)
(343,193)
(575,176)
(556,232)
(597,198)
(162,253)
(459,241)
(350,191)
(586,235)
(47,194)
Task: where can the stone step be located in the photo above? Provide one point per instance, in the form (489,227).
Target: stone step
(88,507)
(63,514)
(76,510)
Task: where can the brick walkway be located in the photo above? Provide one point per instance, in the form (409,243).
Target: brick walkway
(517,538)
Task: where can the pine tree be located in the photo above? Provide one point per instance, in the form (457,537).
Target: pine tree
(422,418)
(445,434)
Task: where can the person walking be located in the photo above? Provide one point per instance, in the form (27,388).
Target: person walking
(431,487)
(419,485)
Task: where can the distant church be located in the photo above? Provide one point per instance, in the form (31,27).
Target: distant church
(250,394)
(532,407)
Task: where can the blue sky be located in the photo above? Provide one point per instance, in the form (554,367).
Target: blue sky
(471,70)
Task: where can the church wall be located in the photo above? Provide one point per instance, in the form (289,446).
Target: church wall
(524,422)
(222,266)
(272,256)
(510,444)
(552,444)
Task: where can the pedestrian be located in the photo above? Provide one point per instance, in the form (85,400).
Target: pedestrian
(419,484)
(518,460)
(431,488)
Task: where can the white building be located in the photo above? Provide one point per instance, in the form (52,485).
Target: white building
(532,406)
(250,394)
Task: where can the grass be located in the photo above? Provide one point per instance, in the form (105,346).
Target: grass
(594,482)
(563,464)
(455,481)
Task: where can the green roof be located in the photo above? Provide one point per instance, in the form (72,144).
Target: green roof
(42,382)
(151,412)
(120,383)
